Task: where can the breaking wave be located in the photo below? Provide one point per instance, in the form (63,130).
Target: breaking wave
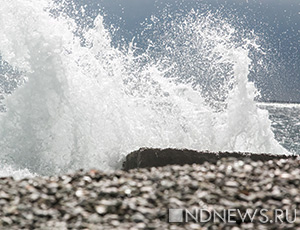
(86,104)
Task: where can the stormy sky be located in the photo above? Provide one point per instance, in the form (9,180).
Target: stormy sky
(276,21)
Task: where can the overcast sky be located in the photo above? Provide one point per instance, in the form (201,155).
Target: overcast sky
(277,21)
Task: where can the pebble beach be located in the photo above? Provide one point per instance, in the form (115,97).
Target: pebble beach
(141,198)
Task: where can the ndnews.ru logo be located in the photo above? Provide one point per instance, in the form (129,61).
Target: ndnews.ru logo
(232,216)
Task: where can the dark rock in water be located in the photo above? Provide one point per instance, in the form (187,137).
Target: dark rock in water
(147,157)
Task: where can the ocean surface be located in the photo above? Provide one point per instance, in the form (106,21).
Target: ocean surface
(73,99)
(285,119)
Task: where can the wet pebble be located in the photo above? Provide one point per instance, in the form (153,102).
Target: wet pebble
(140,198)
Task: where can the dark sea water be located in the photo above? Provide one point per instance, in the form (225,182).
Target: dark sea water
(285,124)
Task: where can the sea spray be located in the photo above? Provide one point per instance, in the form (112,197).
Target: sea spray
(87,104)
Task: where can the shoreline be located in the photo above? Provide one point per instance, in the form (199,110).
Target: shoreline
(141,198)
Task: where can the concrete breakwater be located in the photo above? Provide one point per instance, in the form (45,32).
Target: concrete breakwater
(153,157)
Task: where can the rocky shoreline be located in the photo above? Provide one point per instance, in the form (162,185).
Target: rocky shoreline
(141,198)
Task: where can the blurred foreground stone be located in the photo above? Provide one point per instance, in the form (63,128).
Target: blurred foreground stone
(141,198)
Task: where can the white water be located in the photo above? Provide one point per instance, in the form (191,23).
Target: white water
(88,104)
(280,105)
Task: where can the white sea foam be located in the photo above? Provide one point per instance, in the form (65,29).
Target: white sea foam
(9,171)
(280,105)
(87,104)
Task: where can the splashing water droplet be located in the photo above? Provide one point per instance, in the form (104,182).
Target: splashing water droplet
(86,104)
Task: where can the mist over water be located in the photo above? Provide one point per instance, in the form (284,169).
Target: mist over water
(86,104)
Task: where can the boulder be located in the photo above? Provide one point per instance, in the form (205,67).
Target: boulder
(151,157)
